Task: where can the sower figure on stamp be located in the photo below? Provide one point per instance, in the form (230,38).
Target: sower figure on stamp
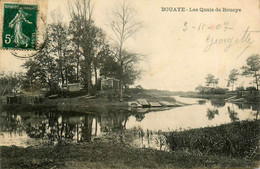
(19,37)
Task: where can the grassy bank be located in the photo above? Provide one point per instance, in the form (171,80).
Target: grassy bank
(238,139)
(101,102)
(116,151)
(108,155)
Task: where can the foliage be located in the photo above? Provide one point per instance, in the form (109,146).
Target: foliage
(232,78)
(43,69)
(251,88)
(88,40)
(252,68)
(98,155)
(124,25)
(238,139)
(58,44)
(10,82)
(75,52)
(240,88)
(219,90)
(124,69)
(211,80)
(210,90)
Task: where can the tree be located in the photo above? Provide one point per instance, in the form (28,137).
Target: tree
(87,37)
(129,72)
(125,69)
(10,82)
(252,68)
(124,26)
(232,78)
(109,66)
(43,70)
(200,89)
(211,80)
(59,43)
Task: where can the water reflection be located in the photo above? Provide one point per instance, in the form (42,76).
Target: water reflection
(113,120)
(197,115)
(232,114)
(211,113)
(232,111)
(52,127)
(139,117)
(201,102)
(255,107)
(218,102)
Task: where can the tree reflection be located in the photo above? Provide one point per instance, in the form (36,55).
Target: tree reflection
(11,123)
(256,115)
(218,102)
(256,107)
(51,126)
(202,102)
(113,120)
(211,113)
(232,114)
(139,117)
(55,127)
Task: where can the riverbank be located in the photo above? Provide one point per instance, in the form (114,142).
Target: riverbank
(117,150)
(236,139)
(207,96)
(108,155)
(99,103)
(220,97)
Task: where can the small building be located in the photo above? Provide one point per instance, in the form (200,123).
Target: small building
(109,83)
(72,87)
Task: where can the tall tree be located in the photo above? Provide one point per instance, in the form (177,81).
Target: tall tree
(211,80)
(42,70)
(87,37)
(252,68)
(124,25)
(59,42)
(101,55)
(232,78)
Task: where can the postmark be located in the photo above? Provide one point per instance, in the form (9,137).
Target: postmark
(19,26)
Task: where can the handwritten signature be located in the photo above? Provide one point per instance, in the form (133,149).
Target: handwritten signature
(229,42)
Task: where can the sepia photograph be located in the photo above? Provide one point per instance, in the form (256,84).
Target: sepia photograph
(129,84)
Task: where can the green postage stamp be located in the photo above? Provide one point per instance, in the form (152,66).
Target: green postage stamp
(19,26)
(22,24)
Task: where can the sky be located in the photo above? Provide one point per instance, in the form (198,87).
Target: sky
(176,46)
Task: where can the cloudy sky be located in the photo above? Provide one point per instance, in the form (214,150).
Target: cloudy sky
(180,48)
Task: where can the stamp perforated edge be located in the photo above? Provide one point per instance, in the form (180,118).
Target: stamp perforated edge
(41,15)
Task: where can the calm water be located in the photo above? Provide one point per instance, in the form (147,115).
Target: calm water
(33,128)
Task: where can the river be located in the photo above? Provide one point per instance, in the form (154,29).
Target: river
(33,128)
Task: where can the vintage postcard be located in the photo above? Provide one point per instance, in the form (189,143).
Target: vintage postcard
(129,84)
